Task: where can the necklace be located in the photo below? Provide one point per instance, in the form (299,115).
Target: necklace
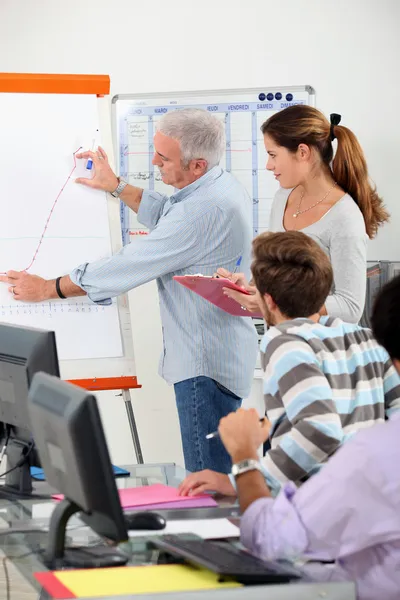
(300,212)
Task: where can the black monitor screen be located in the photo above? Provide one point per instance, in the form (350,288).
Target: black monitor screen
(67,427)
(23,352)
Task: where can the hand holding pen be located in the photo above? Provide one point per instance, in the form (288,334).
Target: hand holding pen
(242,433)
(247,302)
(272,430)
(234,276)
(215,434)
(104,178)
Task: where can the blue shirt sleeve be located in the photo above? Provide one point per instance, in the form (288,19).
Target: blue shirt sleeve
(151,208)
(173,245)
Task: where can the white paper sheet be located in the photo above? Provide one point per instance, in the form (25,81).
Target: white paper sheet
(39,134)
(208,529)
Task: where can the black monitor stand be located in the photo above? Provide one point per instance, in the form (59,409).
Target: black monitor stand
(57,556)
(18,478)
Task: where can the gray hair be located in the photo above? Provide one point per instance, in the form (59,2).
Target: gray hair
(199,133)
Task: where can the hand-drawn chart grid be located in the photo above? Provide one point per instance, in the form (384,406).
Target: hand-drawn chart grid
(242,113)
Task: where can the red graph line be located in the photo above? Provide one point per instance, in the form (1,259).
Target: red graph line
(51,213)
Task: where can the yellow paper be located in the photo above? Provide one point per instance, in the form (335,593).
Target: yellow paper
(134,580)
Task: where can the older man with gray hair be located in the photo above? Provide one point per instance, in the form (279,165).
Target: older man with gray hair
(208,354)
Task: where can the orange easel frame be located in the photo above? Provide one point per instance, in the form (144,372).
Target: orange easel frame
(44,83)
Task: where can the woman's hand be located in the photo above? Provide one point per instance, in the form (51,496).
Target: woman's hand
(237,278)
(249,302)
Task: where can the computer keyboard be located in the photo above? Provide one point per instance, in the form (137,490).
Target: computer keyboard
(226,560)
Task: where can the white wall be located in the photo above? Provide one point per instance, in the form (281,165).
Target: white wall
(348,50)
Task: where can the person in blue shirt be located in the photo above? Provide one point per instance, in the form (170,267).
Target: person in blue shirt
(208,355)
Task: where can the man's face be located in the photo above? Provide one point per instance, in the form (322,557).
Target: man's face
(168,158)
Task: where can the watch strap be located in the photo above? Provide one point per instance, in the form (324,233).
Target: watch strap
(119,189)
(244,466)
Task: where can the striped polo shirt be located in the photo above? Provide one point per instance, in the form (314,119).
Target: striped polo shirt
(323,382)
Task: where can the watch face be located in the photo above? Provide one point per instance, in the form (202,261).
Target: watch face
(244,466)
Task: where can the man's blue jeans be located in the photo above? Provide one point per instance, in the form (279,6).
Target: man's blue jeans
(201,403)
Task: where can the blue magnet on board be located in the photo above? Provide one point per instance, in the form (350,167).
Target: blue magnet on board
(261,96)
(278,96)
(289,97)
(270,96)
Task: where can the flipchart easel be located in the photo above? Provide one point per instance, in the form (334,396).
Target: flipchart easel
(92,374)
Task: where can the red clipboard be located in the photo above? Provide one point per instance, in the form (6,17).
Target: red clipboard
(211,289)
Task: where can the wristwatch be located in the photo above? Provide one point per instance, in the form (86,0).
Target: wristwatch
(246,465)
(119,189)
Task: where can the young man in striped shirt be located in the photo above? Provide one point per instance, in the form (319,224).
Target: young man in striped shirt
(324,379)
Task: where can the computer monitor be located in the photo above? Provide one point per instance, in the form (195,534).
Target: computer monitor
(67,427)
(23,352)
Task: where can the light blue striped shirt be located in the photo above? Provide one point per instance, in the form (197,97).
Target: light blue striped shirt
(206,225)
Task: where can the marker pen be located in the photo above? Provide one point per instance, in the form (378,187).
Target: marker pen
(89,163)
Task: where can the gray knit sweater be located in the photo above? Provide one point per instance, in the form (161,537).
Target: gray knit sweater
(341,234)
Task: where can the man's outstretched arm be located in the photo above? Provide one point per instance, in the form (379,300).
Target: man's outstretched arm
(32,288)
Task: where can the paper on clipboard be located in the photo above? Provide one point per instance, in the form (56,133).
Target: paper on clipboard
(211,289)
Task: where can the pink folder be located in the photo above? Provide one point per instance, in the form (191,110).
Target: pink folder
(155,495)
(196,502)
(211,288)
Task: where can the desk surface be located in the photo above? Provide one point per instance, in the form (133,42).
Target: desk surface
(20,553)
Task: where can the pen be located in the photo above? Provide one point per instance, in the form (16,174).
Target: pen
(239,260)
(89,163)
(215,434)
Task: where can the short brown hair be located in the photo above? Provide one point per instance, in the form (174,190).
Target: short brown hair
(294,270)
(303,124)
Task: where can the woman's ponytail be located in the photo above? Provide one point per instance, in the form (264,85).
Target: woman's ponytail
(350,171)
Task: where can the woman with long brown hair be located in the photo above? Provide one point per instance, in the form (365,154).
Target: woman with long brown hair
(326,195)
